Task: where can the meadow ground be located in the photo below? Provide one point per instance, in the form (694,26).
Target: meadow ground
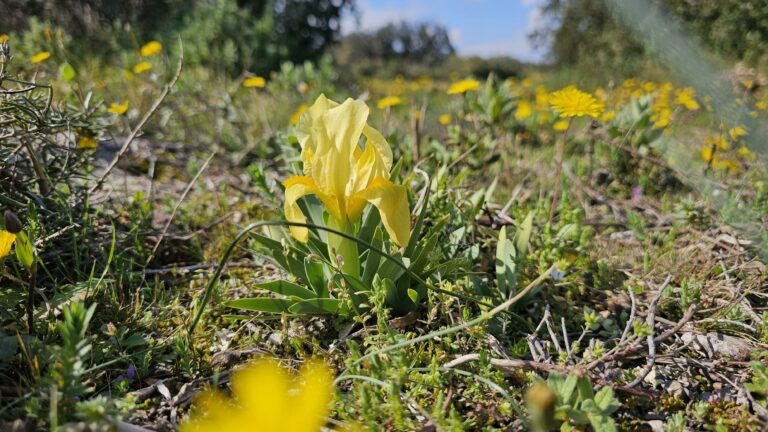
(530,258)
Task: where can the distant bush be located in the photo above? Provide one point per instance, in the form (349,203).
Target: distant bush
(225,35)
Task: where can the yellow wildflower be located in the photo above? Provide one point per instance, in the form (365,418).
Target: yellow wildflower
(118,108)
(4,38)
(686,98)
(151,48)
(527,82)
(255,82)
(463,86)
(142,67)
(41,57)
(389,102)
(524,110)
(761,105)
(737,132)
(706,153)
(6,242)
(344,175)
(444,119)
(608,116)
(718,142)
(725,164)
(266,398)
(86,142)
(572,102)
(560,125)
(746,153)
(753,114)
(297,114)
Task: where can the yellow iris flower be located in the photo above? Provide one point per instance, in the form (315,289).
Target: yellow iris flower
(266,398)
(6,242)
(344,175)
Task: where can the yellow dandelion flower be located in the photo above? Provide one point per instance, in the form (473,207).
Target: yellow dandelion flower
(297,114)
(560,125)
(6,242)
(608,116)
(389,102)
(718,142)
(524,110)
(444,119)
(118,108)
(255,82)
(687,98)
(266,398)
(151,48)
(706,153)
(4,38)
(572,102)
(737,132)
(746,153)
(86,142)
(463,86)
(142,67)
(41,57)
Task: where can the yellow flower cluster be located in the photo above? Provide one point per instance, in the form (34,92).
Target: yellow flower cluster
(717,151)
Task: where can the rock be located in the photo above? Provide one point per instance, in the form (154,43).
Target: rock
(718,345)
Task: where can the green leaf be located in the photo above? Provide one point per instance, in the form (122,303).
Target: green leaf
(287,289)
(67,72)
(262,304)
(373,260)
(605,401)
(8,346)
(506,272)
(316,277)
(25,250)
(317,306)
(523,235)
(413,295)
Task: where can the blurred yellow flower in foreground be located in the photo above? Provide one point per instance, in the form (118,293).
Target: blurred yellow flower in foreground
(41,57)
(344,176)
(560,125)
(389,101)
(118,109)
(266,398)
(142,67)
(255,82)
(297,114)
(463,86)
(4,38)
(86,142)
(444,119)
(6,241)
(572,102)
(719,142)
(151,48)
(746,153)
(706,154)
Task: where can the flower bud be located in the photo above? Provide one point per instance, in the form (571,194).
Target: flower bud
(12,222)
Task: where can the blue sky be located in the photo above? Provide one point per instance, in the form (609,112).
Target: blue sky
(477,27)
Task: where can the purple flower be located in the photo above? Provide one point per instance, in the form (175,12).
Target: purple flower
(637,193)
(130,374)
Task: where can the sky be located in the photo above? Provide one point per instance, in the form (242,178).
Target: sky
(476,27)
